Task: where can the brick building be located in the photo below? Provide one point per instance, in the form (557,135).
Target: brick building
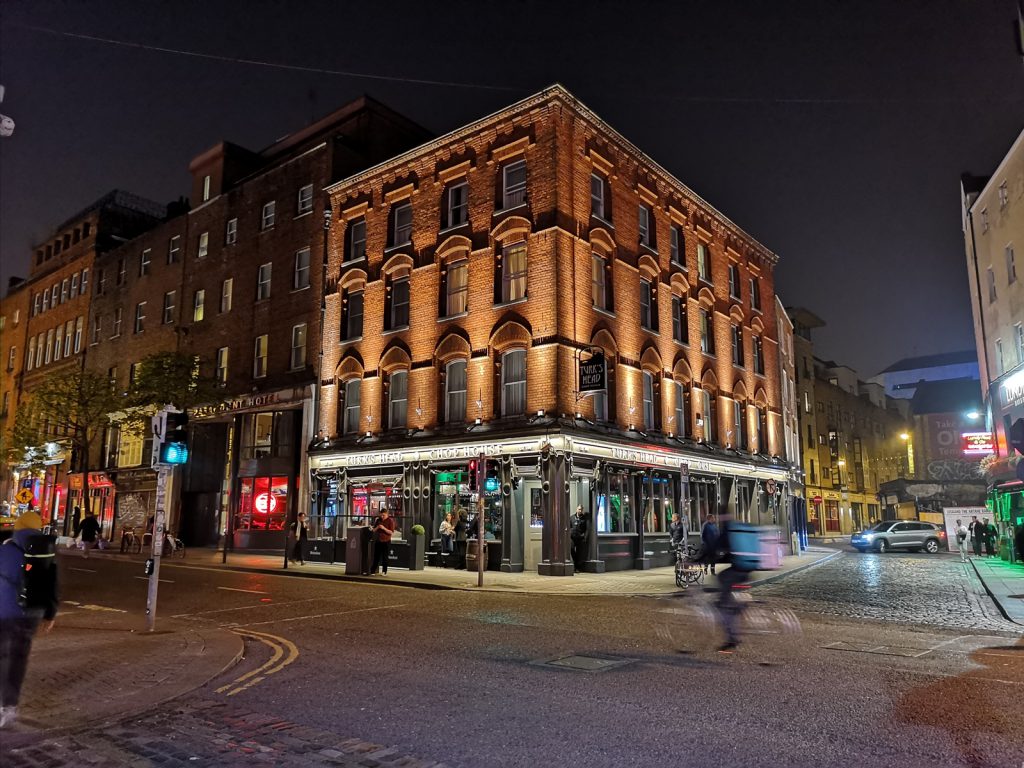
(14,311)
(469,278)
(236,282)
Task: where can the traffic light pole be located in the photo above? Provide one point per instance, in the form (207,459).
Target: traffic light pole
(159,525)
(481,545)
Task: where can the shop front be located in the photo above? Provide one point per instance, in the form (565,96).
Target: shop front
(101,497)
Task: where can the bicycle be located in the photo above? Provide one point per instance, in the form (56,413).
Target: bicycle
(131,542)
(688,568)
(173,547)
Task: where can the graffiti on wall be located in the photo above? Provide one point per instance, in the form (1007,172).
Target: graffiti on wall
(949,470)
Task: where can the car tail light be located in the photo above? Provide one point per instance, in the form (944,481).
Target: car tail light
(942,534)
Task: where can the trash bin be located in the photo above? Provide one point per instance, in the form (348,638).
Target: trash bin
(357,551)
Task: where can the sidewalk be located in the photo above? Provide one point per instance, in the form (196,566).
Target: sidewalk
(99,664)
(657,581)
(1005,583)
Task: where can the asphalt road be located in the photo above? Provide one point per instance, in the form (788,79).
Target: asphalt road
(894,660)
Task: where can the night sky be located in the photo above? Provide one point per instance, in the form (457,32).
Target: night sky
(833,132)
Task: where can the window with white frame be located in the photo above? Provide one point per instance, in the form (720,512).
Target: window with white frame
(455,392)
(758,347)
(263,282)
(37,300)
(739,425)
(64,289)
(268,214)
(222,364)
(401,223)
(457,288)
(1011,265)
(355,240)
(352,400)
(203,246)
(168,310)
(173,249)
(206,188)
(398,399)
(598,281)
(301,278)
(597,196)
(648,399)
(122,274)
(681,403)
(144,260)
(1004,196)
(513,383)
(513,272)
(703,262)
(140,317)
(734,281)
(67,336)
(457,204)
(199,305)
(85,281)
(40,345)
(59,342)
(513,184)
(305,201)
(97,328)
(226,289)
(79,327)
(644,220)
(737,345)
(115,326)
(259,357)
(298,359)
(231,232)
(646,305)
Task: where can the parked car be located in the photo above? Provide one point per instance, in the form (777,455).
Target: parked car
(912,535)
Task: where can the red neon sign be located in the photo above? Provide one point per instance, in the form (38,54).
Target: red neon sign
(975,443)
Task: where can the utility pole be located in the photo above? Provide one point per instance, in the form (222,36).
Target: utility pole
(481,545)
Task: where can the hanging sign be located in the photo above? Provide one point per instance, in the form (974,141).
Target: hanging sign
(593,374)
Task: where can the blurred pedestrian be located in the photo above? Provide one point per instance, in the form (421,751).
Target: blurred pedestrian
(977,536)
(961,539)
(299,533)
(990,534)
(709,539)
(382,528)
(90,532)
(578,536)
(460,541)
(729,609)
(28,596)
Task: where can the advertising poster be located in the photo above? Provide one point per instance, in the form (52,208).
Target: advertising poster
(964,514)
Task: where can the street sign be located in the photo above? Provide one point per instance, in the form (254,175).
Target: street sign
(770,487)
(24,496)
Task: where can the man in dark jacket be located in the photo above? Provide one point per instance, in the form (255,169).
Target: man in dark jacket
(579,538)
(709,539)
(27,597)
(90,531)
(729,609)
(298,533)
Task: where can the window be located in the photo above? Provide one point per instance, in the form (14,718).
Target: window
(1011,266)
(401,224)
(455,392)
(40,345)
(739,425)
(263,282)
(140,315)
(648,398)
(115,329)
(133,373)
(222,365)
(680,325)
(647,306)
(144,259)
(168,313)
(203,248)
(353,327)
(64,289)
(355,240)
(173,249)
(513,383)
(226,289)
(398,399)
(513,272)
(710,417)
(352,393)
(458,205)
(1000,359)
(758,348)
(259,357)
(755,293)
(36,304)
(761,425)
(457,288)
(703,262)
(810,436)
(645,225)
(597,196)
(677,252)
(984,220)
(97,326)
(1019,336)
(301,279)
(46,299)
(199,305)
(305,202)
(682,409)
(58,346)
(206,188)
(85,281)
(513,184)
(298,359)
(398,317)
(49,346)
(1004,197)
(734,281)
(231,232)
(79,326)
(268,214)
(707,333)
(67,338)
(599,281)
(737,345)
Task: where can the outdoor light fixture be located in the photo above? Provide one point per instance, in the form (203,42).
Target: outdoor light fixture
(973,415)
(478,421)
(540,413)
(904,436)
(579,415)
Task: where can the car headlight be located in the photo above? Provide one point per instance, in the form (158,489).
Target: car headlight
(869,536)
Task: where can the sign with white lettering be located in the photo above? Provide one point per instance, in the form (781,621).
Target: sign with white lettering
(593,374)
(975,443)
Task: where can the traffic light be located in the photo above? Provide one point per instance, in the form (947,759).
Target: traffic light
(491,481)
(472,475)
(1017,435)
(174,449)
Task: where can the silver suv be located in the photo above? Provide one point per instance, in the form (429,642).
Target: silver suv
(911,535)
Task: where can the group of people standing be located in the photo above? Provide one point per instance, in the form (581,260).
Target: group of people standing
(982,533)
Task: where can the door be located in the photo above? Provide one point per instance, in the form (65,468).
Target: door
(902,535)
(533,524)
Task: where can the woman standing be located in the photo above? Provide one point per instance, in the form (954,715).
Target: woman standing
(447,531)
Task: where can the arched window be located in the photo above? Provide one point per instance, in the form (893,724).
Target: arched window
(513,383)
(455,392)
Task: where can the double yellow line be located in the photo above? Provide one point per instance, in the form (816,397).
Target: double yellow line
(284,653)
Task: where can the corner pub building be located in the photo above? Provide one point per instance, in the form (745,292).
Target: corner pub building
(469,278)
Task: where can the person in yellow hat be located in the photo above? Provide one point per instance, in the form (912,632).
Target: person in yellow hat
(28,597)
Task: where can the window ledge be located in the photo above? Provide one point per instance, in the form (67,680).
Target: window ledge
(602,220)
(454,228)
(299,290)
(503,304)
(680,264)
(350,262)
(458,316)
(353,340)
(606,312)
(649,248)
(302,214)
(398,246)
(500,211)
(706,282)
(266,229)
(396,329)
(645,329)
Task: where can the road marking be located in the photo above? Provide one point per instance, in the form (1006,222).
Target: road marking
(162,581)
(320,615)
(280,647)
(260,605)
(91,607)
(250,591)
(82,570)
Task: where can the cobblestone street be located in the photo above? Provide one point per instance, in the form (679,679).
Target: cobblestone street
(932,590)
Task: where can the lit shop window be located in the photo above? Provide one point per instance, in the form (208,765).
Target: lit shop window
(262,504)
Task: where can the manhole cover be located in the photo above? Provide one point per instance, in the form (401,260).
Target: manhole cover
(583,663)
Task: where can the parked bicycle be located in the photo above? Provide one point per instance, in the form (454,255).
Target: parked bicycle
(173,546)
(688,567)
(131,542)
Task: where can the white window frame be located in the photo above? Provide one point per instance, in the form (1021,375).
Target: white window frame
(226,290)
(354,297)
(399,312)
(644,224)
(231,232)
(304,202)
(260,353)
(203,246)
(199,305)
(263,278)
(508,388)
(398,402)
(354,227)
(353,392)
(647,397)
(145,258)
(140,318)
(454,207)
(300,279)
(298,355)
(677,251)
(703,262)
(268,215)
(79,327)
(597,195)
(173,249)
(456,300)
(206,187)
(401,235)
(115,326)
(223,355)
(755,294)
(510,279)
(455,399)
(167,314)
(598,281)
(513,194)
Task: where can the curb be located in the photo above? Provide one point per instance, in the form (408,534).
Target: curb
(992,595)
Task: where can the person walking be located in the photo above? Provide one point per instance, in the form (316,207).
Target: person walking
(382,528)
(709,538)
(961,539)
(729,609)
(578,535)
(977,536)
(298,532)
(460,542)
(28,597)
(990,534)
(90,531)
(447,531)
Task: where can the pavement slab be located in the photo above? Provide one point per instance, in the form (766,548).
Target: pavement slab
(1004,582)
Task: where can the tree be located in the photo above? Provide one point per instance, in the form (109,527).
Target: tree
(172,378)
